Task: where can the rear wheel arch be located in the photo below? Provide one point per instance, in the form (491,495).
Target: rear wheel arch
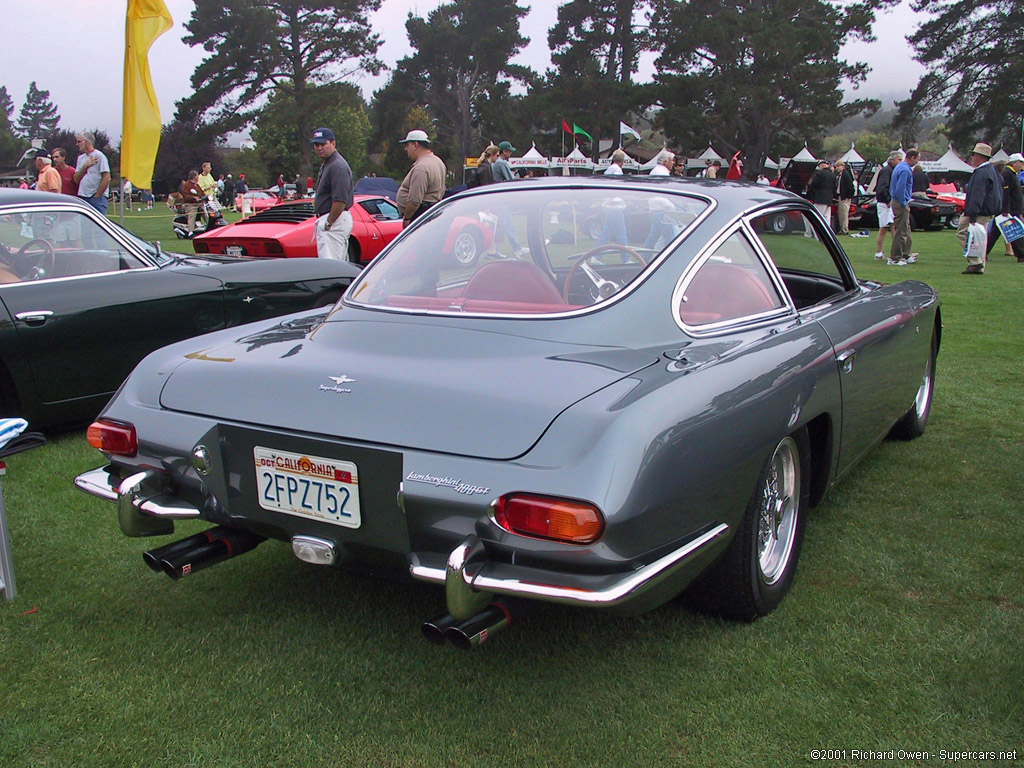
(820,439)
(750,579)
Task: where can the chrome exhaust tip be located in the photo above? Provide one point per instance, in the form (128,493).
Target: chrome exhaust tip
(477,629)
(434,630)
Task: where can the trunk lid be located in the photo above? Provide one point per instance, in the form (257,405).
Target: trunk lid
(413,385)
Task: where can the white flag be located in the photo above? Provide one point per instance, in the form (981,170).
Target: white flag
(625,129)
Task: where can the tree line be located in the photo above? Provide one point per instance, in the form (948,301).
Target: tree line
(760,77)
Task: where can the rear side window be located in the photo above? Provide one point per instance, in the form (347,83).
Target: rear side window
(795,245)
(731,285)
(809,267)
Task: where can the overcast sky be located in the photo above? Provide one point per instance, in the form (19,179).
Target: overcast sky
(85,77)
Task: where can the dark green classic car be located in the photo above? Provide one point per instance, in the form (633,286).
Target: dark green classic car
(83,300)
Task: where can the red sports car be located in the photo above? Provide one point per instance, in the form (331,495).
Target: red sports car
(259,200)
(287,229)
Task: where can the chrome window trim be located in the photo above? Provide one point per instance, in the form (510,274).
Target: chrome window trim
(830,238)
(84,209)
(667,251)
(788,309)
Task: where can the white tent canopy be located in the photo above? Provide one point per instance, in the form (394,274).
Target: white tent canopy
(531,159)
(704,159)
(948,163)
(575,159)
(771,164)
(1000,156)
(804,156)
(852,156)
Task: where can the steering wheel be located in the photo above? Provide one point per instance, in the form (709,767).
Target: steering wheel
(604,288)
(44,263)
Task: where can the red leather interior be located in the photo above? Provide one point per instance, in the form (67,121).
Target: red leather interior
(725,292)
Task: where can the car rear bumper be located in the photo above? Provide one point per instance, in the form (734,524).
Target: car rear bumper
(147,506)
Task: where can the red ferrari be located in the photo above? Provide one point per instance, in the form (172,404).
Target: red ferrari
(287,230)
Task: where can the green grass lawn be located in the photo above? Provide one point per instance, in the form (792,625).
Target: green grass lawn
(903,630)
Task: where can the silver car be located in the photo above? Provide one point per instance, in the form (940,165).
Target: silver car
(599,416)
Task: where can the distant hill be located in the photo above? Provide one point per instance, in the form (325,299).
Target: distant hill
(879,122)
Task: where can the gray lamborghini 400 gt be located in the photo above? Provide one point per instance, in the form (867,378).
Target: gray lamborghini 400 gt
(644,386)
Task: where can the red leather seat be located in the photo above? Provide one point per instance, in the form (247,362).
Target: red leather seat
(725,292)
(514,281)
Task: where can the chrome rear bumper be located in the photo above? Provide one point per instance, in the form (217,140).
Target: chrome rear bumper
(145,504)
(470,578)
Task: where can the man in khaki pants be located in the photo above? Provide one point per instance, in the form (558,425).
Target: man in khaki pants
(984,201)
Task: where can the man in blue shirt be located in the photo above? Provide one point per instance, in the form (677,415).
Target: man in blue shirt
(901,189)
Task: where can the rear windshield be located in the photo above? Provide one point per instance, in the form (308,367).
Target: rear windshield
(526,251)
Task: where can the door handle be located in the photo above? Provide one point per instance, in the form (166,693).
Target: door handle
(34,317)
(845,359)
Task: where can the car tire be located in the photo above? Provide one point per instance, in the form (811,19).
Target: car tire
(593,228)
(757,569)
(466,247)
(779,224)
(915,420)
(354,252)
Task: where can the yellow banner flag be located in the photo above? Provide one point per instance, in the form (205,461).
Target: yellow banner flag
(140,121)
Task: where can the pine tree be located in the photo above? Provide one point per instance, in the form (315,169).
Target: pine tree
(971,49)
(38,115)
(460,72)
(285,47)
(757,76)
(596,45)
(11,146)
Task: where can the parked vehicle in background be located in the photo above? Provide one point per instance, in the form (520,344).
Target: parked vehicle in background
(259,200)
(287,230)
(924,214)
(84,300)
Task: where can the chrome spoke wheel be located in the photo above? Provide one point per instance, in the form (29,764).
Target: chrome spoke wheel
(778,511)
(465,249)
(924,392)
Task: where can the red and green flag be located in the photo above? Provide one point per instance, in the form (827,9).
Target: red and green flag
(576,131)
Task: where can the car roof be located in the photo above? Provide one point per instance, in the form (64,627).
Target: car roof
(733,197)
(13,196)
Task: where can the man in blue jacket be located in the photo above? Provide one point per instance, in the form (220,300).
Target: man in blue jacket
(901,189)
(984,201)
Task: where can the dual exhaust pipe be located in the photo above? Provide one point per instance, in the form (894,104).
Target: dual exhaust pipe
(471,632)
(212,546)
(215,545)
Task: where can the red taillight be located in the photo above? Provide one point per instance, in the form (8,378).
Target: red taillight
(274,247)
(200,247)
(114,437)
(575,522)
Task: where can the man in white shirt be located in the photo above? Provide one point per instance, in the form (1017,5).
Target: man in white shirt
(666,162)
(615,169)
(92,172)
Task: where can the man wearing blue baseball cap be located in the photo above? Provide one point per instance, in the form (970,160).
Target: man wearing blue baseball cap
(333,202)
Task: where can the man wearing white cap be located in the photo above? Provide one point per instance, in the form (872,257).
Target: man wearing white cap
(1013,205)
(423,185)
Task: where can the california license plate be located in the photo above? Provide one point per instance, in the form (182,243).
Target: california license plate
(308,486)
(234,250)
